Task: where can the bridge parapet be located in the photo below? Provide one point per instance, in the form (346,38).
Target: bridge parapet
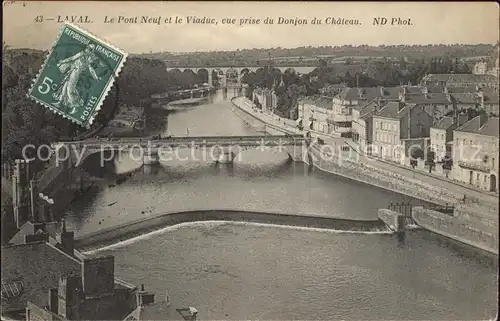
(79,150)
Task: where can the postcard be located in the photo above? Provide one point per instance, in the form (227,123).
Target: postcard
(185,160)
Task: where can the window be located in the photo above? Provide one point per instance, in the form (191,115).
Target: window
(465,142)
(493,161)
(477,177)
(485,178)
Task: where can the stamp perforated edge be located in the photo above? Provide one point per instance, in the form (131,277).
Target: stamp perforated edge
(106,90)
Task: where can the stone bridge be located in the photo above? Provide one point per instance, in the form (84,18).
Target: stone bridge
(222,149)
(227,73)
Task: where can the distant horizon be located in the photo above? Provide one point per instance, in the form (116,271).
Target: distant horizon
(284,48)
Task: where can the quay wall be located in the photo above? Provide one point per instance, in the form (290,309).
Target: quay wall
(456,229)
(139,227)
(365,174)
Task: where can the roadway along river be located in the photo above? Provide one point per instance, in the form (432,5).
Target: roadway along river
(243,271)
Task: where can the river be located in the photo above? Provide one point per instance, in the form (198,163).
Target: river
(247,271)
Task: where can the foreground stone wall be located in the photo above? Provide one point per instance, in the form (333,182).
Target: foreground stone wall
(475,212)
(139,227)
(455,228)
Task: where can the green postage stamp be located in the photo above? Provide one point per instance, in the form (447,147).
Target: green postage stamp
(77,75)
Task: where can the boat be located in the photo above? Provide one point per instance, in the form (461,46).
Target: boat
(189,102)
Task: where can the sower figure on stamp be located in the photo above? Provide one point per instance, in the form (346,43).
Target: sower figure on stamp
(72,68)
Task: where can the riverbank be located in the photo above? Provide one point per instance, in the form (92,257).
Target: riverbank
(135,228)
(372,169)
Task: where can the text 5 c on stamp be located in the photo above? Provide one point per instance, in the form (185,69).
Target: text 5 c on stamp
(77,75)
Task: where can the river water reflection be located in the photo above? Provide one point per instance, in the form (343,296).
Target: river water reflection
(242,271)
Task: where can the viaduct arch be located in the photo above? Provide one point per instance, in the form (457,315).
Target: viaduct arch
(236,73)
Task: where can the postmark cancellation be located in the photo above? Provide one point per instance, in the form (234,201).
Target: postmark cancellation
(77,75)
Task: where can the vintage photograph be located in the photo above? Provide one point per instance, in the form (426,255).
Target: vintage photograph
(250,160)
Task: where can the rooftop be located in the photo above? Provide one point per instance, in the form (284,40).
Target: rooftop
(466,89)
(490,97)
(159,310)
(30,269)
(432,98)
(465,98)
(444,123)
(318,101)
(17,265)
(391,110)
(460,78)
(482,125)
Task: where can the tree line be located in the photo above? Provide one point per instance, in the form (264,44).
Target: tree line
(26,122)
(252,56)
(370,73)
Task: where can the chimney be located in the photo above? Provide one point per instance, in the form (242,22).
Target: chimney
(69,296)
(144,298)
(98,276)
(378,104)
(67,240)
(402,95)
(37,237)
(33,202)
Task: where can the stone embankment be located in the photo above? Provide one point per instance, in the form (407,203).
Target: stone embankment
(455,228)
(146,225)
(365,173)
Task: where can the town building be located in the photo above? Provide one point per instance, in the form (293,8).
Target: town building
(460,80)
(399,130)
(441,136)
(435,104)
(475,153)
(315,113)
(362,124)
(487,67)
(489,102)
(349,99)
(45,278)
(266,99)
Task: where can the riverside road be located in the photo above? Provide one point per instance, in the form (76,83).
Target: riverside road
(244,271)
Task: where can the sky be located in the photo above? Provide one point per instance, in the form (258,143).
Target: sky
(432,22)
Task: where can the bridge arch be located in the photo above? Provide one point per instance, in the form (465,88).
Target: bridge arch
(174,70)
(203,74)
(244,71)
(232,76)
